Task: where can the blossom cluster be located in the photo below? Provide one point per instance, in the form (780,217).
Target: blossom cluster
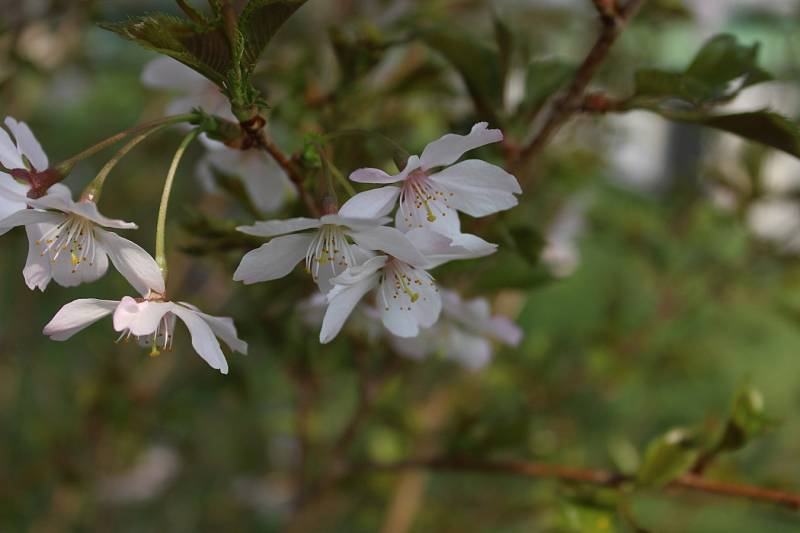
(370,258)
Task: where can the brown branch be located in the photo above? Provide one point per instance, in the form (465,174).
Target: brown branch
(290,168)
(613,20)
(689,482)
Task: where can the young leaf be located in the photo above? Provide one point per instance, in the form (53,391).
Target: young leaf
(719,71)
(202,48)
(668,457)
(259,22)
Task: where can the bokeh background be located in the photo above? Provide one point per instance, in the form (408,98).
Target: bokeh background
(669,280)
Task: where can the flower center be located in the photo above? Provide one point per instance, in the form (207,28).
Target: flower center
(400,283)
(73,239)
(422,200)
(329,246)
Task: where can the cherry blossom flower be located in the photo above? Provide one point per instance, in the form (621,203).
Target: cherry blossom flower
(21,152)
(431,198)
(405,293)
(464,333)
(151,321)
(327,249)
(67,243)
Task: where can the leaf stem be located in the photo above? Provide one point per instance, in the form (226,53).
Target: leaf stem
(161,256)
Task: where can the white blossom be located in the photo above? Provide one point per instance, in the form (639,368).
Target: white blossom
(431,198)
(20,152)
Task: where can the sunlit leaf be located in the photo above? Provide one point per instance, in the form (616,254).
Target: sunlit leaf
(668,457)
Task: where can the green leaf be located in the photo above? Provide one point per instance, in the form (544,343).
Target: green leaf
(587,519)
(524,240)
(202,48)
(747,420)
(719,71)
(259,22)
(668,457)
(505,45)
(765,127)
(478,64)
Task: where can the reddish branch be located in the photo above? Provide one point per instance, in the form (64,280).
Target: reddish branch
(690,482)
(613,18)
(289,167)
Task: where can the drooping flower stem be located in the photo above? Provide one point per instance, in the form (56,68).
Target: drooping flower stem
(161,256)
(66,166)
(95,187)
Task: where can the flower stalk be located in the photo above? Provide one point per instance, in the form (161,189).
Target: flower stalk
(161,257)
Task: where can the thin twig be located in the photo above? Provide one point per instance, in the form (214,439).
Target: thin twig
(290,168)
(690,482)
(613,21)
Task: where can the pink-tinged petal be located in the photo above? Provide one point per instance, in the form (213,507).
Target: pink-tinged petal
(167,73)
(449,148)
(478,188)
(140,318)
(37,271)
(374,175)
(274,259)
(204,341)
(224,328)
(391,241)
(76,316)
(130,259)
(374,203)
(9,155)
(27,144)
(342,299)
(26,217)
(273,228)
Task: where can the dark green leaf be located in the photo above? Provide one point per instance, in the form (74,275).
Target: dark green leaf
(478,64)
(259,22)
(525,241)
(202,48)
(668,457)
(505,45)
(765,127)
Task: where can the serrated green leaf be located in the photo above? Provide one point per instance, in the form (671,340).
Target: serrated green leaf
(478,64)
(668,457)
(259,22)
(719,71)
(202,48)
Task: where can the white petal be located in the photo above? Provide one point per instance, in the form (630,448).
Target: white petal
(204,341)
(27,144)
(140,318)
(449,148)
(413,347)
(167,73)
(76,316)
(274,259)
(273,228)
(390,241)
(399,313)
(358,273)
(479,188)
(9,155)
(135,264)
(37,271)
(68,275)
(505,331)
(411,215)
(89,210)
(342,299)
(374,175)
(472,351)
(224,328)
(371,204)
(439,249)
(29,216)
(12,195)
